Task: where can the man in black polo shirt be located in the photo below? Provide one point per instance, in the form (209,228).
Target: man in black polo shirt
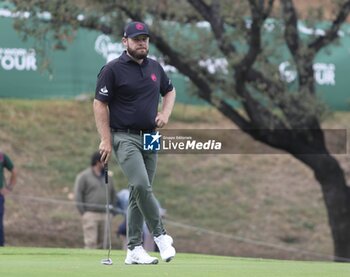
(126,105)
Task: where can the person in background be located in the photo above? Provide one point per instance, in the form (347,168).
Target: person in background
(121,207)
(90,198)
(5,163)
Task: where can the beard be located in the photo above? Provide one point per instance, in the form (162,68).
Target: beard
(138,54)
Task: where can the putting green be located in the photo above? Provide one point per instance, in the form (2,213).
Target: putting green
(44,262)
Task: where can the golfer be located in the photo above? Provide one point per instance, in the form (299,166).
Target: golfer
(125,106)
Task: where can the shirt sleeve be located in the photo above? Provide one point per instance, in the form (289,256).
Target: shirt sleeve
(104,85)
(8,163)
(165,83)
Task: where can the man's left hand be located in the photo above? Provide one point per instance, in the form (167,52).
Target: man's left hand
(161,120)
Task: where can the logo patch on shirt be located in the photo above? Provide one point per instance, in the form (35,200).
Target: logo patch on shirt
(154,77)
(103,91)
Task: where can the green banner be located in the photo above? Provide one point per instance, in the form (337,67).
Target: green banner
(74,70)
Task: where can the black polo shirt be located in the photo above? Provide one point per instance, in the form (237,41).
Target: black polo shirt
(132,91)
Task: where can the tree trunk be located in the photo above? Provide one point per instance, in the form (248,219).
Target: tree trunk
(309,147)
(336,195)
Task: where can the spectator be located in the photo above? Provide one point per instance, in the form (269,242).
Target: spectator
(90,198)
(122,202)
(5,162)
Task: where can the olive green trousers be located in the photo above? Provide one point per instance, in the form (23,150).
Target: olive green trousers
(139,167)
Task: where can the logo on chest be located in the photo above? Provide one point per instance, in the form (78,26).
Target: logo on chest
(154,77)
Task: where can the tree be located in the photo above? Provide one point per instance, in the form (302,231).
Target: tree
(235,30)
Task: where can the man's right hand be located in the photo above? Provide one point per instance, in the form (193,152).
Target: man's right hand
(105,151)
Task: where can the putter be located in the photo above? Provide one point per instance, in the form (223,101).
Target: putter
(108,260)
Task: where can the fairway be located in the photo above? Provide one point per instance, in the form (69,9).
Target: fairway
(43,262)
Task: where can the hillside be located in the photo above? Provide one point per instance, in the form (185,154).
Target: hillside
(242,205)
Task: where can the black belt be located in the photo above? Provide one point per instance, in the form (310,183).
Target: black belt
(132,131)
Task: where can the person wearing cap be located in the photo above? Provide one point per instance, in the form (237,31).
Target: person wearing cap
(126,101)
(90,199)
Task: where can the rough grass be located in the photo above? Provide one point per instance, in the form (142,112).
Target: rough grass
(240,205)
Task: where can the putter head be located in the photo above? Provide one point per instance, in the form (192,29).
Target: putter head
(107,261)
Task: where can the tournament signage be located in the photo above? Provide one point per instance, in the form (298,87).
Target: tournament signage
(74,70)
(18,59)
(324,73)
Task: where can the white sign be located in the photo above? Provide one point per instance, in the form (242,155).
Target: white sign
(324,73)
(18,59)
(110,51)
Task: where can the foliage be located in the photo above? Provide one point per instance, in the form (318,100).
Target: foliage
(232,31)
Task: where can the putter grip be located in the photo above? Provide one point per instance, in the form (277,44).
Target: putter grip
(106,173)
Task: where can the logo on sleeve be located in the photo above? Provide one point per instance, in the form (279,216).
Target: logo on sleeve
(103,91)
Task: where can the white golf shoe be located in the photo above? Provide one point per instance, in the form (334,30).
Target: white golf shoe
(139,256)
(164,243)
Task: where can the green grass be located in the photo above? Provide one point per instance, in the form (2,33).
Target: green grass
(43,262)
